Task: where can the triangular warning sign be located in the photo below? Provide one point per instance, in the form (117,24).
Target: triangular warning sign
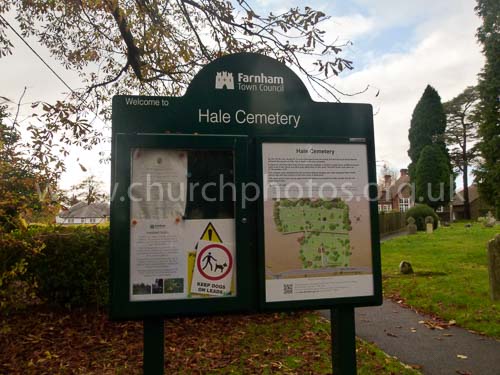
(210,234)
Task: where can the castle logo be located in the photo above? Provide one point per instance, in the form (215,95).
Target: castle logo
(224,79)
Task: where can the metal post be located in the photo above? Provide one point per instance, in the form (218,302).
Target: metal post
(153,347)
(343,340)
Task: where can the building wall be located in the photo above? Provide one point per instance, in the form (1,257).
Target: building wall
(80,220)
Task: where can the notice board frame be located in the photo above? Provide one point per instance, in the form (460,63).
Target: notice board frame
(121,308)
(322,303)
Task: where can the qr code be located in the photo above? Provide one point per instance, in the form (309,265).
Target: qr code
(287,288)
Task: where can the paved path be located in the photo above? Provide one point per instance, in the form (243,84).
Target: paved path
(397,331)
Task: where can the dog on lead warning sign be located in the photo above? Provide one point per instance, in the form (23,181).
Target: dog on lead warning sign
(213,265)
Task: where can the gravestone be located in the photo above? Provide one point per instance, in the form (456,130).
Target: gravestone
(429,224)
(490,220)
(405,268)
(412,228)
(494,267)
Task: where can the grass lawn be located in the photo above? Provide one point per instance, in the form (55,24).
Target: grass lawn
(39,341)
(451,275)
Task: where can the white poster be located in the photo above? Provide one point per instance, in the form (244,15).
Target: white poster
(158,186)
(178,259)
(158,261)
(317,228)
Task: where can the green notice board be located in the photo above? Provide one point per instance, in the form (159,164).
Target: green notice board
(242,195)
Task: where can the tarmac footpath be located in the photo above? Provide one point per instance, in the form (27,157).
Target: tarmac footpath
(407,335)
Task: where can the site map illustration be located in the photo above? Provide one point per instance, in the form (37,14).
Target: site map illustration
(324,227)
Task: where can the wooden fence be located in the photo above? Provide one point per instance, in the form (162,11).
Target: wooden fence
(391,222)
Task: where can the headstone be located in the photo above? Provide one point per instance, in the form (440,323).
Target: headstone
(429,224)
(490,220)
(405,268)
(494,267)
(412,228)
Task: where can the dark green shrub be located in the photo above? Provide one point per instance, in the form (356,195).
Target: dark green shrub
(65,266)
(419,212)
(72,269)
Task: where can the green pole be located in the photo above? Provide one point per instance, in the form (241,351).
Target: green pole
(153,347)
(343,340)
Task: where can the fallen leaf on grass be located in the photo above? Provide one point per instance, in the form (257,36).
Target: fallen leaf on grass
(461,356)
(391,334)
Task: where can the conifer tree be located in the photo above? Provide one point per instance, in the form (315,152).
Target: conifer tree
(428,124)
(432,177)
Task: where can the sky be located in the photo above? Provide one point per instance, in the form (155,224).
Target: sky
(398,48)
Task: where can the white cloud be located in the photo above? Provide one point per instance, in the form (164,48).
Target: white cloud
(447,57)
(348,27)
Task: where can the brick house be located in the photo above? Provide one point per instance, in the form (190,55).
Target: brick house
(395,195)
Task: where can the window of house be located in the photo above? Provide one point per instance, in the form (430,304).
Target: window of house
(70,220)
(92,220)
(384,208)
(404,204)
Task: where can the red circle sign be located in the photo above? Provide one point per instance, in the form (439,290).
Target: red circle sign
(223,274)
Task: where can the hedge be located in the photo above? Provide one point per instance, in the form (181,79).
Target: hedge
(419,212)
(65,266)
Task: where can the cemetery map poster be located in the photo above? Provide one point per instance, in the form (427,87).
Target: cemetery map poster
(317,239)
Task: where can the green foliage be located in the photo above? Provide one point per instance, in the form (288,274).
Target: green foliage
(428,124)
(419,212)
(488,34)
(20,181)
(433,177)
(72,270)
(65,266)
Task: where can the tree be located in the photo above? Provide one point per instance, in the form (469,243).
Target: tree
(488,34)
(461,132)
(432,177)
(89,190)
(428,124)
(154,47)
(19,181)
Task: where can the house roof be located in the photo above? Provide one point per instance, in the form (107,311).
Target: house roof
(400,186)
(458,199)
(82,209)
